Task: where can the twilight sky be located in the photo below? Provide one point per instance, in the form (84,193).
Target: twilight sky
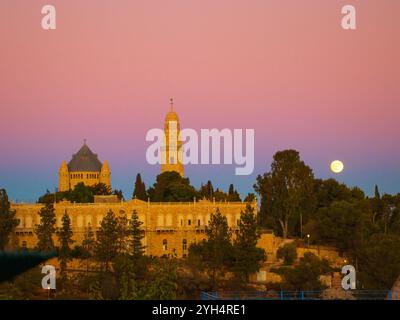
(285,68)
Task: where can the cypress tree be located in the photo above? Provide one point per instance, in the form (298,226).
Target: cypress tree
(139,191)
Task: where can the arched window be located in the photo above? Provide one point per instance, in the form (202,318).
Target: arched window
(184,244)
(165,244)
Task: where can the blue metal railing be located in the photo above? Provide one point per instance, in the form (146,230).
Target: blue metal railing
(297,295)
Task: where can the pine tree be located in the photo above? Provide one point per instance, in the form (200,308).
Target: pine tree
(247,256)
(65,239)
(215,251)
(137,248)
(45,230)
(7,220)
(107,240)
(140,189)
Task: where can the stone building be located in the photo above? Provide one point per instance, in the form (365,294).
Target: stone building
(84,167)
(168,227)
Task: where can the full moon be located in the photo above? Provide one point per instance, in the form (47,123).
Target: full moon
(337,166)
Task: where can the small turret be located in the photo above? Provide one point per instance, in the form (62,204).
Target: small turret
(105,174)
(63,177)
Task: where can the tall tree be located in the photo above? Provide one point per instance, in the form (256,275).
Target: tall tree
(65,239)
(139,191)
(286,191)
(136,246)
(107,244)
(46,228)
(215,251)
(247,256)
(207,191)
(233,195)
(8,222)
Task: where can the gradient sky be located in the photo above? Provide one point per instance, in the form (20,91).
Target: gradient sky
(283,67)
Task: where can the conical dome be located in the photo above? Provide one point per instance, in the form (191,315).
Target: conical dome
(84,160)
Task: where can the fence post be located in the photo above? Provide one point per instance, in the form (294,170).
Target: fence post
(302,295)
(281,294)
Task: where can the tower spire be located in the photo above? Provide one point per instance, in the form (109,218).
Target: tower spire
(171,103)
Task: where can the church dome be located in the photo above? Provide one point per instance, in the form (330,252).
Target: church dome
(84,160)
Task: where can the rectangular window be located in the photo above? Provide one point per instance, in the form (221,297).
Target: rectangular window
(189,222)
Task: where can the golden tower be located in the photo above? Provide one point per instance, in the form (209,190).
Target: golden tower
(63,177)
(172,151)
(105,174)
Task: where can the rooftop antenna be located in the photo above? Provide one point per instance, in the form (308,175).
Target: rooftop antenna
(84,141)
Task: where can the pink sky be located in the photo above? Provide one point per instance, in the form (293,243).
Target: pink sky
(283,67)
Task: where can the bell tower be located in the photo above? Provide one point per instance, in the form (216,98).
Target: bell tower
(105,174)
(63,177)
(172,150)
